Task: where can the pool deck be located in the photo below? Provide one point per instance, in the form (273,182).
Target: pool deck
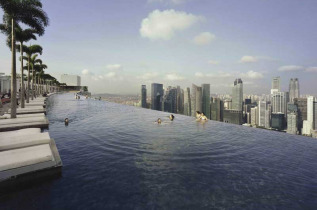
(24,149)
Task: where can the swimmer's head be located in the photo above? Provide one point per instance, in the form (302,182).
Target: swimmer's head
(172,117)
(159,120)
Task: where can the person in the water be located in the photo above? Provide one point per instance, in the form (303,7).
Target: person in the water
(66,121)
(172,117)
(159,121)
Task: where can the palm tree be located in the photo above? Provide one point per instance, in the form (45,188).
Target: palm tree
(39,71)
(30,52)
(22,35)
(30,13)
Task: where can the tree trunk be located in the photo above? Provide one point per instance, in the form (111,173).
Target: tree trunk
(32,84)
(22,77)
(28,92)
(13,75)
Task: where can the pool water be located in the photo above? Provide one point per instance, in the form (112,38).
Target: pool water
(116,157)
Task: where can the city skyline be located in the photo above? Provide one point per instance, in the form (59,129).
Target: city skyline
(120,45)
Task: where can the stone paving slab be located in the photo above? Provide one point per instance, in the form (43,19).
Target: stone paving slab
(25,156)
(8,116)
(7,143)
(21,123)
(20,132)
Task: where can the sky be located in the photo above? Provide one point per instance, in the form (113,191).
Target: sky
(116,46)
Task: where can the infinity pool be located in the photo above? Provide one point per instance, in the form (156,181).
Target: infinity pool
(116,157)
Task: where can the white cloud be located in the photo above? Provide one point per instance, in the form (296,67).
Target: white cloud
(148,75)
(290,68)
(219,74)
(199,74)
(204,38)
(248,59)
(114,67)
(174,77)
(86,72)
(213,62)
(252,75)
(110,74)
(167,1)
(312,69)
(164,24)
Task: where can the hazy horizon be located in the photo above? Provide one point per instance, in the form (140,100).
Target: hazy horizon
(116,46)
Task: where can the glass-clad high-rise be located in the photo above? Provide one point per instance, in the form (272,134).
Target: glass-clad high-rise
(157,93)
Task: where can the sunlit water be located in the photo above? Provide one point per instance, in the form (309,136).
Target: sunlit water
(116,157)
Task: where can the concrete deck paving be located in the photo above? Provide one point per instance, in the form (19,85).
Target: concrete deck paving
(20,123)
(26,151)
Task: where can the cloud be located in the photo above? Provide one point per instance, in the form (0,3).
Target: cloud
(114,67)
(168,1)
(164,24)
(174,77)
(311,69)
(213,62)
(290,68)
(252,75)
(248,59)
(220,74)
(148,75)
(86,72)
(199,74)
(204,38)
(110,74)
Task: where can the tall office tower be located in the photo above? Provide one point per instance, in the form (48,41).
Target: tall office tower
(267,123)
(254,116)
(262,109)
(228,104)
(180,100)
(187,102)
(276,85)
(196,99)
(216,109)
(292,123)
(293,89)
(315,116)
(237,95)
(308,125)
(301,104)
(157,93)
(206,99)
(247,101)
(279,102)
(143,96)
(170,100)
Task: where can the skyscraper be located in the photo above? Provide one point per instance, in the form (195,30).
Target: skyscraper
(216,109)
(301,104)
(206,99)
(143,96)
(293,89)
(276,85)
(308,124)
(196,99)
(156,96)
(315,116)
(254,116)
(237,95)
(279,102)
(292,123)
(180,100)
(170,100)
(187,102)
